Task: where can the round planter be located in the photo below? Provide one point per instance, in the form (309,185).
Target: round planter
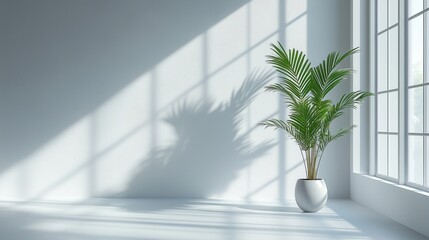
(311,195)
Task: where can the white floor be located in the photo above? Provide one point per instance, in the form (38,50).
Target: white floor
(185,219)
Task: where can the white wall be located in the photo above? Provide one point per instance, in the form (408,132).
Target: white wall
(121,98)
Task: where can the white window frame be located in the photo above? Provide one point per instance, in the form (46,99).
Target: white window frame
(402,95)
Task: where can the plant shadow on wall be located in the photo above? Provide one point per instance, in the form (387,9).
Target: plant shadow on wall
(208,152)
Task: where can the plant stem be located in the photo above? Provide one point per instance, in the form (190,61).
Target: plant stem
(303,159)
(309,165)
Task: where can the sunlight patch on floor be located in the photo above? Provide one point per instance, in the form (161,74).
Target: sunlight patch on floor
(192,219)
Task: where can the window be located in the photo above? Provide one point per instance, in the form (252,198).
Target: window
(418,86)
(387,89)
(400,25)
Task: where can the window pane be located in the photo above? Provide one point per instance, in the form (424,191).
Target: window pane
(427,161)
(415,110)
(393,58)
(427,47)
(393,12)
(426,106)
(382,154)
(416,50)
(381,15)
(382,62)
(393,156)
(393,111)
(415,159)
(382,112)
(414,6)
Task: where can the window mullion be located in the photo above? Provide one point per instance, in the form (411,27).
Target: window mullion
(373,86)
(425,98)
(388,87)
(403,93)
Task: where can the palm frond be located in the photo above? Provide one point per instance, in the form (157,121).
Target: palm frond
(294,67)
(326,77)
(275,123)
(305,89)
(350,100)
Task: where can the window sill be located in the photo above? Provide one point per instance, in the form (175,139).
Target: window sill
(406,205)
(396,185)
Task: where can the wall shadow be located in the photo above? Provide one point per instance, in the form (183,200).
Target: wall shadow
(208,152)
(62,59)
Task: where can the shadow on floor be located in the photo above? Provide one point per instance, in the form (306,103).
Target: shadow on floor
(113,219)
(278,209)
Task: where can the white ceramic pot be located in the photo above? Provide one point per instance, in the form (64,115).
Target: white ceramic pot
(311,195)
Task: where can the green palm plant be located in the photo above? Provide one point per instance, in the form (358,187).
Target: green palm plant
(305,89)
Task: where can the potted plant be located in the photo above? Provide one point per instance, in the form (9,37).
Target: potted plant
(311,113)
